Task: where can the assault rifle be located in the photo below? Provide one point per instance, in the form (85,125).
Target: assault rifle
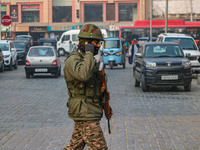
(106,95)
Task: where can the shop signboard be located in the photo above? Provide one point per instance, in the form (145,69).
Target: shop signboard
(3,8)
(14,13)
(37,29)
(60,28)
(30,8)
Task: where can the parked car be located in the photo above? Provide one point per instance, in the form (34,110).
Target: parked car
(113,52)
(22,48)
(48,42)
(42,59)
(188,45)
(25,37)
(162,64)
(1,61)
(9,53)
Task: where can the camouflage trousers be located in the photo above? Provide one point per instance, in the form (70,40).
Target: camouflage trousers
(89,133)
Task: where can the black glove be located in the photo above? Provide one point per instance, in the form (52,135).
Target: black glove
(89,48)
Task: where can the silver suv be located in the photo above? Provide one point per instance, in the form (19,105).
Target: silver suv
(188,45)
(9,53)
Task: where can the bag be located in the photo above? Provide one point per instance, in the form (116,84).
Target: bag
(130,60)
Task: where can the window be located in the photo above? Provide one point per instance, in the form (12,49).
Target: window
(186,43)
(93,12)
(66,38)
(112,44)
(75,37)
(30,13)
(110,11)
(62,13)
(127,11)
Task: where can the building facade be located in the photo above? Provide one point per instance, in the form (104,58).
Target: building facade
(50,18)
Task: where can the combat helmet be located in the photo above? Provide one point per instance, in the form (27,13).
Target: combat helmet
(90,31)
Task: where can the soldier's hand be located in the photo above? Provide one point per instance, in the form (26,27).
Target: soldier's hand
(89,48)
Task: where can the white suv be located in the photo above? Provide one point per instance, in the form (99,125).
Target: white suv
(9,53)
(188,45)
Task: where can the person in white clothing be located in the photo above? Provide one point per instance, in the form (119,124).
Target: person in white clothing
(132,50)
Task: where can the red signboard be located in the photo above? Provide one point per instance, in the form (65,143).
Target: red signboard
(6,20)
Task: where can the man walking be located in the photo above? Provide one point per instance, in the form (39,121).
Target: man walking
(132,50)
(85,104)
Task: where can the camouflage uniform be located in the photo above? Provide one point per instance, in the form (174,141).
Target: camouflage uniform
(87,132)
(85,105)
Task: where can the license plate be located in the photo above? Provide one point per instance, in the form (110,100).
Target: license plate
(41,70)
(172,77)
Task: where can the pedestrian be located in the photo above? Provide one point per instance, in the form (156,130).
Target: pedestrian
(85,105)
(132,50)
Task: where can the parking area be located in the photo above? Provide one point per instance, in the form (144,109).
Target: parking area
(33,113)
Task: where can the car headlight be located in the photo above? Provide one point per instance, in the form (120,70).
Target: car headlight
(105,54)
(118,53)
(6,56)
(150,65)
(186,64)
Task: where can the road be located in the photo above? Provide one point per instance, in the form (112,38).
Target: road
(33,114)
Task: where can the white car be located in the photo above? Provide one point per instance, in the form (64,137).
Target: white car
(188,45)
(42,60)
(9,53)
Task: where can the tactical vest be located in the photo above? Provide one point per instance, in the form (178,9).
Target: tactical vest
(85,97)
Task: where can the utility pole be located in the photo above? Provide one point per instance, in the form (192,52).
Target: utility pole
(191,16)
(166,16)
(151,18)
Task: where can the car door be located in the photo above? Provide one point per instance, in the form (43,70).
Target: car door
(138,64)
(65,42)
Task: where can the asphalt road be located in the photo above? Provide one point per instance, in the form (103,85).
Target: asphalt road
(33,114)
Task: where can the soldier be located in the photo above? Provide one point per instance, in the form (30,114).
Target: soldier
(85,105)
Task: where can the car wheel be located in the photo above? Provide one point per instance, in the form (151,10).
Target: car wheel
(145,88)
(16,63)
(2,67)
(136,82)
(61,52)
(28,75)
(187,87)
(10,66)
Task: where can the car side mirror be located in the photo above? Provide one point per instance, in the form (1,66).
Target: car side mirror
(139,55)
(0,50)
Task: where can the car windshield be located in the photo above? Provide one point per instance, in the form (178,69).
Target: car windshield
(163,51)
(186,43)
(4,46)
(75,37)
(22,38)
(41,52)
(112,44)
(19,45)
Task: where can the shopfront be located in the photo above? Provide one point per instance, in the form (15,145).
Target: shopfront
(38,32)
(30,13)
